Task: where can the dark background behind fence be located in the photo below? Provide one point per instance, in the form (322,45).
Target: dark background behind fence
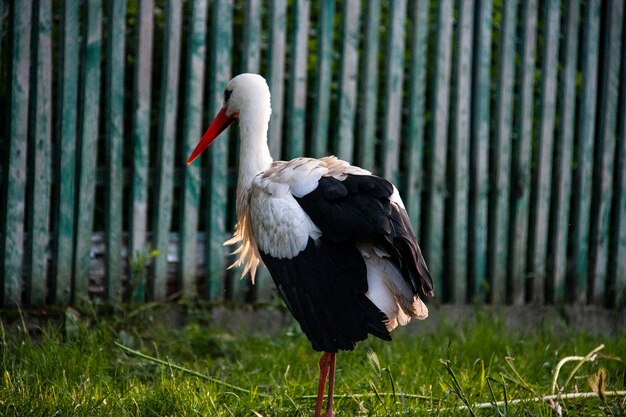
(502,122)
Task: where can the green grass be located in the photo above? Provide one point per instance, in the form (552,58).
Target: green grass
(79,371)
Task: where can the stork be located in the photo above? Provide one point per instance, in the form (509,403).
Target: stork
(336,239)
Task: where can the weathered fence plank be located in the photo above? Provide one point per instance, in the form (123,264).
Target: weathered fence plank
(41,163)
(344,147)
(321,105)
(368,89)
(64,211)
(165,146)
(88,147)
(479,150)
(252,37)
(583,154)
(114,136)
(276,73)
(520,164)
(456,216)
(142,96)
(542,155)
(562,171)
(602,191)
(434,215)
(192,130)
(394,79)
(220,74)
(500,157)
(13,239)
(295,112)
(417,103)
(617,272)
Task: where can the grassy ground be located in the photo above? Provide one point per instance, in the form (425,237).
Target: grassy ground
(78,370)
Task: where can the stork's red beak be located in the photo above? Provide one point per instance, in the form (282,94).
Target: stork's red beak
(221,122)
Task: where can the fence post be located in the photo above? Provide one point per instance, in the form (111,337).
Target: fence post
(321,106)
(13,242)
(479,151)
(41,163)
(368,91)
(542,155)
(344,146)
(88,149)
(192,130)
(433,226)
(500,157)
(141,141)
(394,80)
(66,173)
(456,209)
(605,151)
(562,172)
(295,132)
(114,136)
(165,151)
(220,74)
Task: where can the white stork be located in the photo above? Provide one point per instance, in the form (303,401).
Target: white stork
(336,239)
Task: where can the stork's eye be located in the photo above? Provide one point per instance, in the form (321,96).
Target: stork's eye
(227,94)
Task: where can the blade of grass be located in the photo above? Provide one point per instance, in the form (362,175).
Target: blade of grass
(152,359)
(457,389)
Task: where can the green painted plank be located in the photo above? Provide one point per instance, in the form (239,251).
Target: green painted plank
(252,37)
(417,98)
(348,78)
(276,73)
(605,152)
(459,154)
(165,150)
(192,130)
(368,93)
(479,151)
(114,136)
(13,242)
(39,211)
(68,101)
(542,155)
(88,148)
(220,74)
(394,79)
(617,293)
(520,163)
(141,142)
(295,131)
(500,157)
(562,172)
(321,105)
(583,157)
(433,227)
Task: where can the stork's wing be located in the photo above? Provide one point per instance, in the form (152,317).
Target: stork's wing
(367,208)
(308,218)
(323,282)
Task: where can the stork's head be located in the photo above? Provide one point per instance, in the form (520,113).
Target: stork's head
(246,96)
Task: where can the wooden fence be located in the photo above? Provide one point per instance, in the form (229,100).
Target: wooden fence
(502,122)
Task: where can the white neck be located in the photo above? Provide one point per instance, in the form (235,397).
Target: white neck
(254,155)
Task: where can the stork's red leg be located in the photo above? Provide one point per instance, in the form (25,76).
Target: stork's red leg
(325,361)
(331,385)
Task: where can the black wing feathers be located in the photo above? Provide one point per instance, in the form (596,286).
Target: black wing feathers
(358,209)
